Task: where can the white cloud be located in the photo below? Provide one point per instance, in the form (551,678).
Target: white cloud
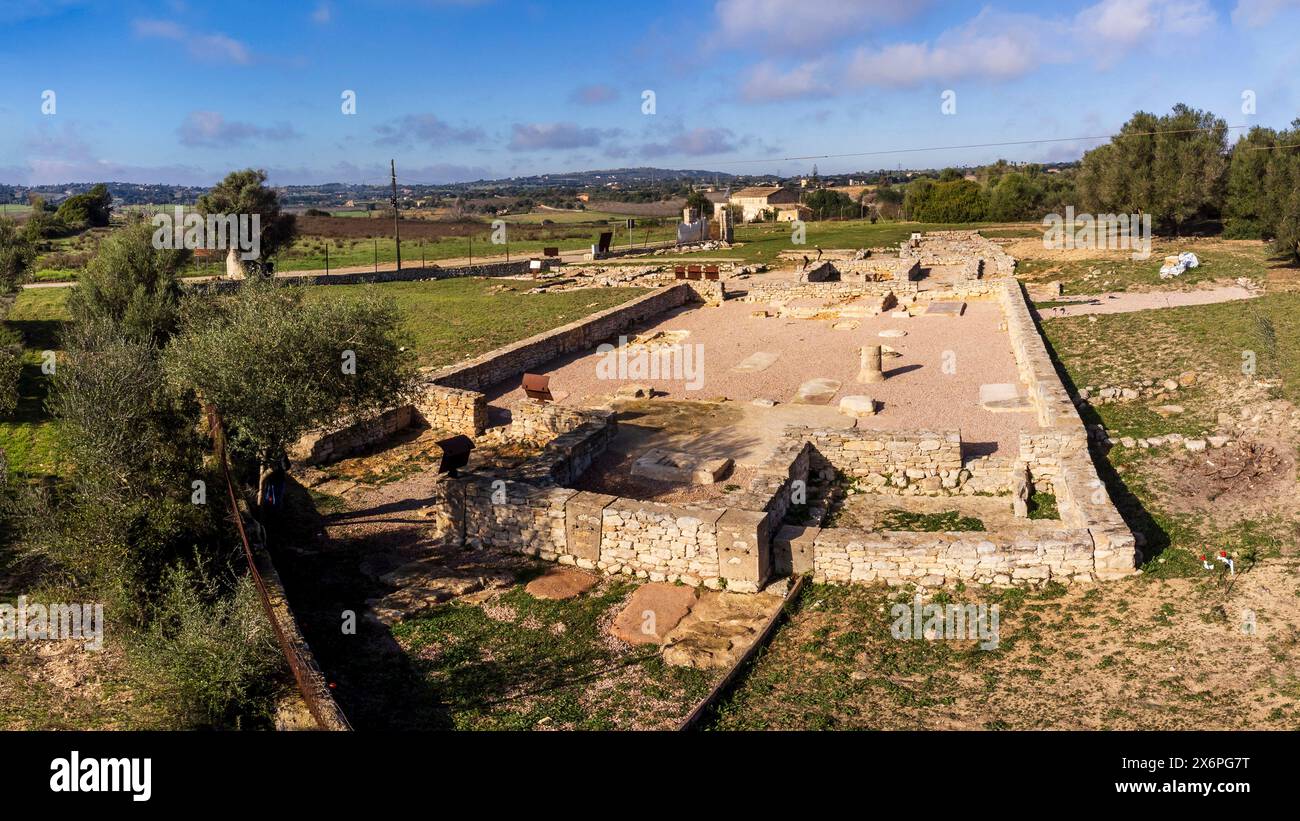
(1112,28)
(768,82)
(991,46)
(323,14)
(216,48)
(209,129)
(698,142)
(540,136)
(425,128)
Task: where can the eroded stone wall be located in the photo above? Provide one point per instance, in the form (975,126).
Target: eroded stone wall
(785,290)
(451,409)
(534,352)
(320,447)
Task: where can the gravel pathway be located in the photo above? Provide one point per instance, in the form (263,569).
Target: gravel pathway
(1124,302)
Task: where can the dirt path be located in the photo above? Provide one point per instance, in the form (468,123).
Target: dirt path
(1124,302)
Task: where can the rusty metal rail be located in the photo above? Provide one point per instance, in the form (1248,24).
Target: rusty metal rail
(306,672)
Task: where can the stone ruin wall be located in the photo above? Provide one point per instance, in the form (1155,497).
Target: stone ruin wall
(510,361)
(1092,542)
(740,547)
(320,447)
(933,559)
(450,399)
(960,248)
(786,290)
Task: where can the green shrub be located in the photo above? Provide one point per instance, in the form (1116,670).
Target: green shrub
(209,656)
(11,368)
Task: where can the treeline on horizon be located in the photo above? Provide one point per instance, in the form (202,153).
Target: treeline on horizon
(1177,167)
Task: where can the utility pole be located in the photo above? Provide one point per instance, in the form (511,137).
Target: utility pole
(397,235)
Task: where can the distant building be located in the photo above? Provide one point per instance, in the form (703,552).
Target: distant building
(789,212)
(754,202)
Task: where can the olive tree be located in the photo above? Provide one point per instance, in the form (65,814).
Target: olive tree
(277,362)
(132,284)
(245,193)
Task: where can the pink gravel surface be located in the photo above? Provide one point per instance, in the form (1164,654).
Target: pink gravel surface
(917,393)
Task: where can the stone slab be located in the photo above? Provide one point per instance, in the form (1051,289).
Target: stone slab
(561,583)
(818,391)
(755,362)
(652,611)
(858,406)
(1003,397)
(678,466)
(719,630)
(945,309)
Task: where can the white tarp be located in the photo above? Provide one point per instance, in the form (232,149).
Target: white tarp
(697,231)
(1175,268)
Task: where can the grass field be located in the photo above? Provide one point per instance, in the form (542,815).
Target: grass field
(1142,653)
(1163,343)
(1211,340)
(1219,260)
(451,319)
(577,217)
(309,253)
(29,437)
(521,663)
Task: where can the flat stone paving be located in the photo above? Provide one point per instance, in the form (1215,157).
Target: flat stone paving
(652,611)
(919,392)
(561,583)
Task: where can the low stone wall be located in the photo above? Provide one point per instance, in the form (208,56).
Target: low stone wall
(959,248)
(514,268)
(650,540)
(881,269)
(660,542)
(319,447)
(934,559)
(452,410)
(785,290)
(890,461)
(541,422)
(1059,452)
(527,354)
(518,516)
(711,292)
(566,457)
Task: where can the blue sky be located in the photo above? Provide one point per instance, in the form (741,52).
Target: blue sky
(182,91)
